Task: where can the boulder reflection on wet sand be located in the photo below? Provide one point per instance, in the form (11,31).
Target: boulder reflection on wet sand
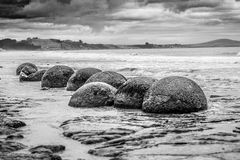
(80,77)
(131,93)
(112,78)
(57,76)
(95,94)
(174,95)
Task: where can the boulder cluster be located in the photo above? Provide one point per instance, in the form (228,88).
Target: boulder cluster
(96,88)
(29,72)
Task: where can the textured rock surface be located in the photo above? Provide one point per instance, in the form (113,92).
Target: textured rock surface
(80,77)
(8,146)
(113,78)
(8,124)
(37,76)
(136,135)
(10,132)
(93,94)
(174,95)
(131,93)
(47,149)
(28,70)
(30,66)
(21,156)
(57,76)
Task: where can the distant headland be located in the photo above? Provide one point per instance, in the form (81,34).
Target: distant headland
(56,44)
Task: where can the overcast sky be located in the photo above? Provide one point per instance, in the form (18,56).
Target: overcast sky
(121,21)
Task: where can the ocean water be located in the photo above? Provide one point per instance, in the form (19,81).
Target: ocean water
(216,70)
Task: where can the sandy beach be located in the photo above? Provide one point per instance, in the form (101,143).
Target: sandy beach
(210,134)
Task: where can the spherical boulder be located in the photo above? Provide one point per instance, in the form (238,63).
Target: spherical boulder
(131,93)
(37,76)
(80,77)
(113,78)
(56,77)
(31,68)
(93,94)
(174,95)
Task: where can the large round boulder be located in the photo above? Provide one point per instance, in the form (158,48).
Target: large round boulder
(93,94)
(113,78)
(174,95)
(131,93)
(29,68)
(56,77)
(37,76)
(80,77)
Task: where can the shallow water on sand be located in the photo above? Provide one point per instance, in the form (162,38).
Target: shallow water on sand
(216,70)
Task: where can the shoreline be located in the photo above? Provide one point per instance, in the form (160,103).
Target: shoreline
(100,49)
(48,117)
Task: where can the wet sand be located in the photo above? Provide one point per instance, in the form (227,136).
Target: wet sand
(131,134)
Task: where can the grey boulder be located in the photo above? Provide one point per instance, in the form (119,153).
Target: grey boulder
(80,77)
(93,94)
(113,78)
(56,77)
(28,68)
(131,93)
(37,76)
(174,95)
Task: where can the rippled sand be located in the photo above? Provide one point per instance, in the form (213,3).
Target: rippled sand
(210,134)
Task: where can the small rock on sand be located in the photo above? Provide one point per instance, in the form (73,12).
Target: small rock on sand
(30,66)
(37,76)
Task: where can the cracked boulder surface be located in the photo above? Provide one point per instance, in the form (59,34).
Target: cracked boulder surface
(174,94)
(131,93)
(112,78)
(37,76)
(28,68)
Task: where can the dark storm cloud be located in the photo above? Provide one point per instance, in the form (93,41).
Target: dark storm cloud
(9,8)
(183,5)
(150,18)
(90,11)
(13,8)
(94,13)
(75,8)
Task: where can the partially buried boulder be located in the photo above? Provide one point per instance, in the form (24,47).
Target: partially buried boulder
(131,93)
(37,76)
(113,78)
(93,94)
(174,95)
(80,77)
(29,68)
(56,77)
